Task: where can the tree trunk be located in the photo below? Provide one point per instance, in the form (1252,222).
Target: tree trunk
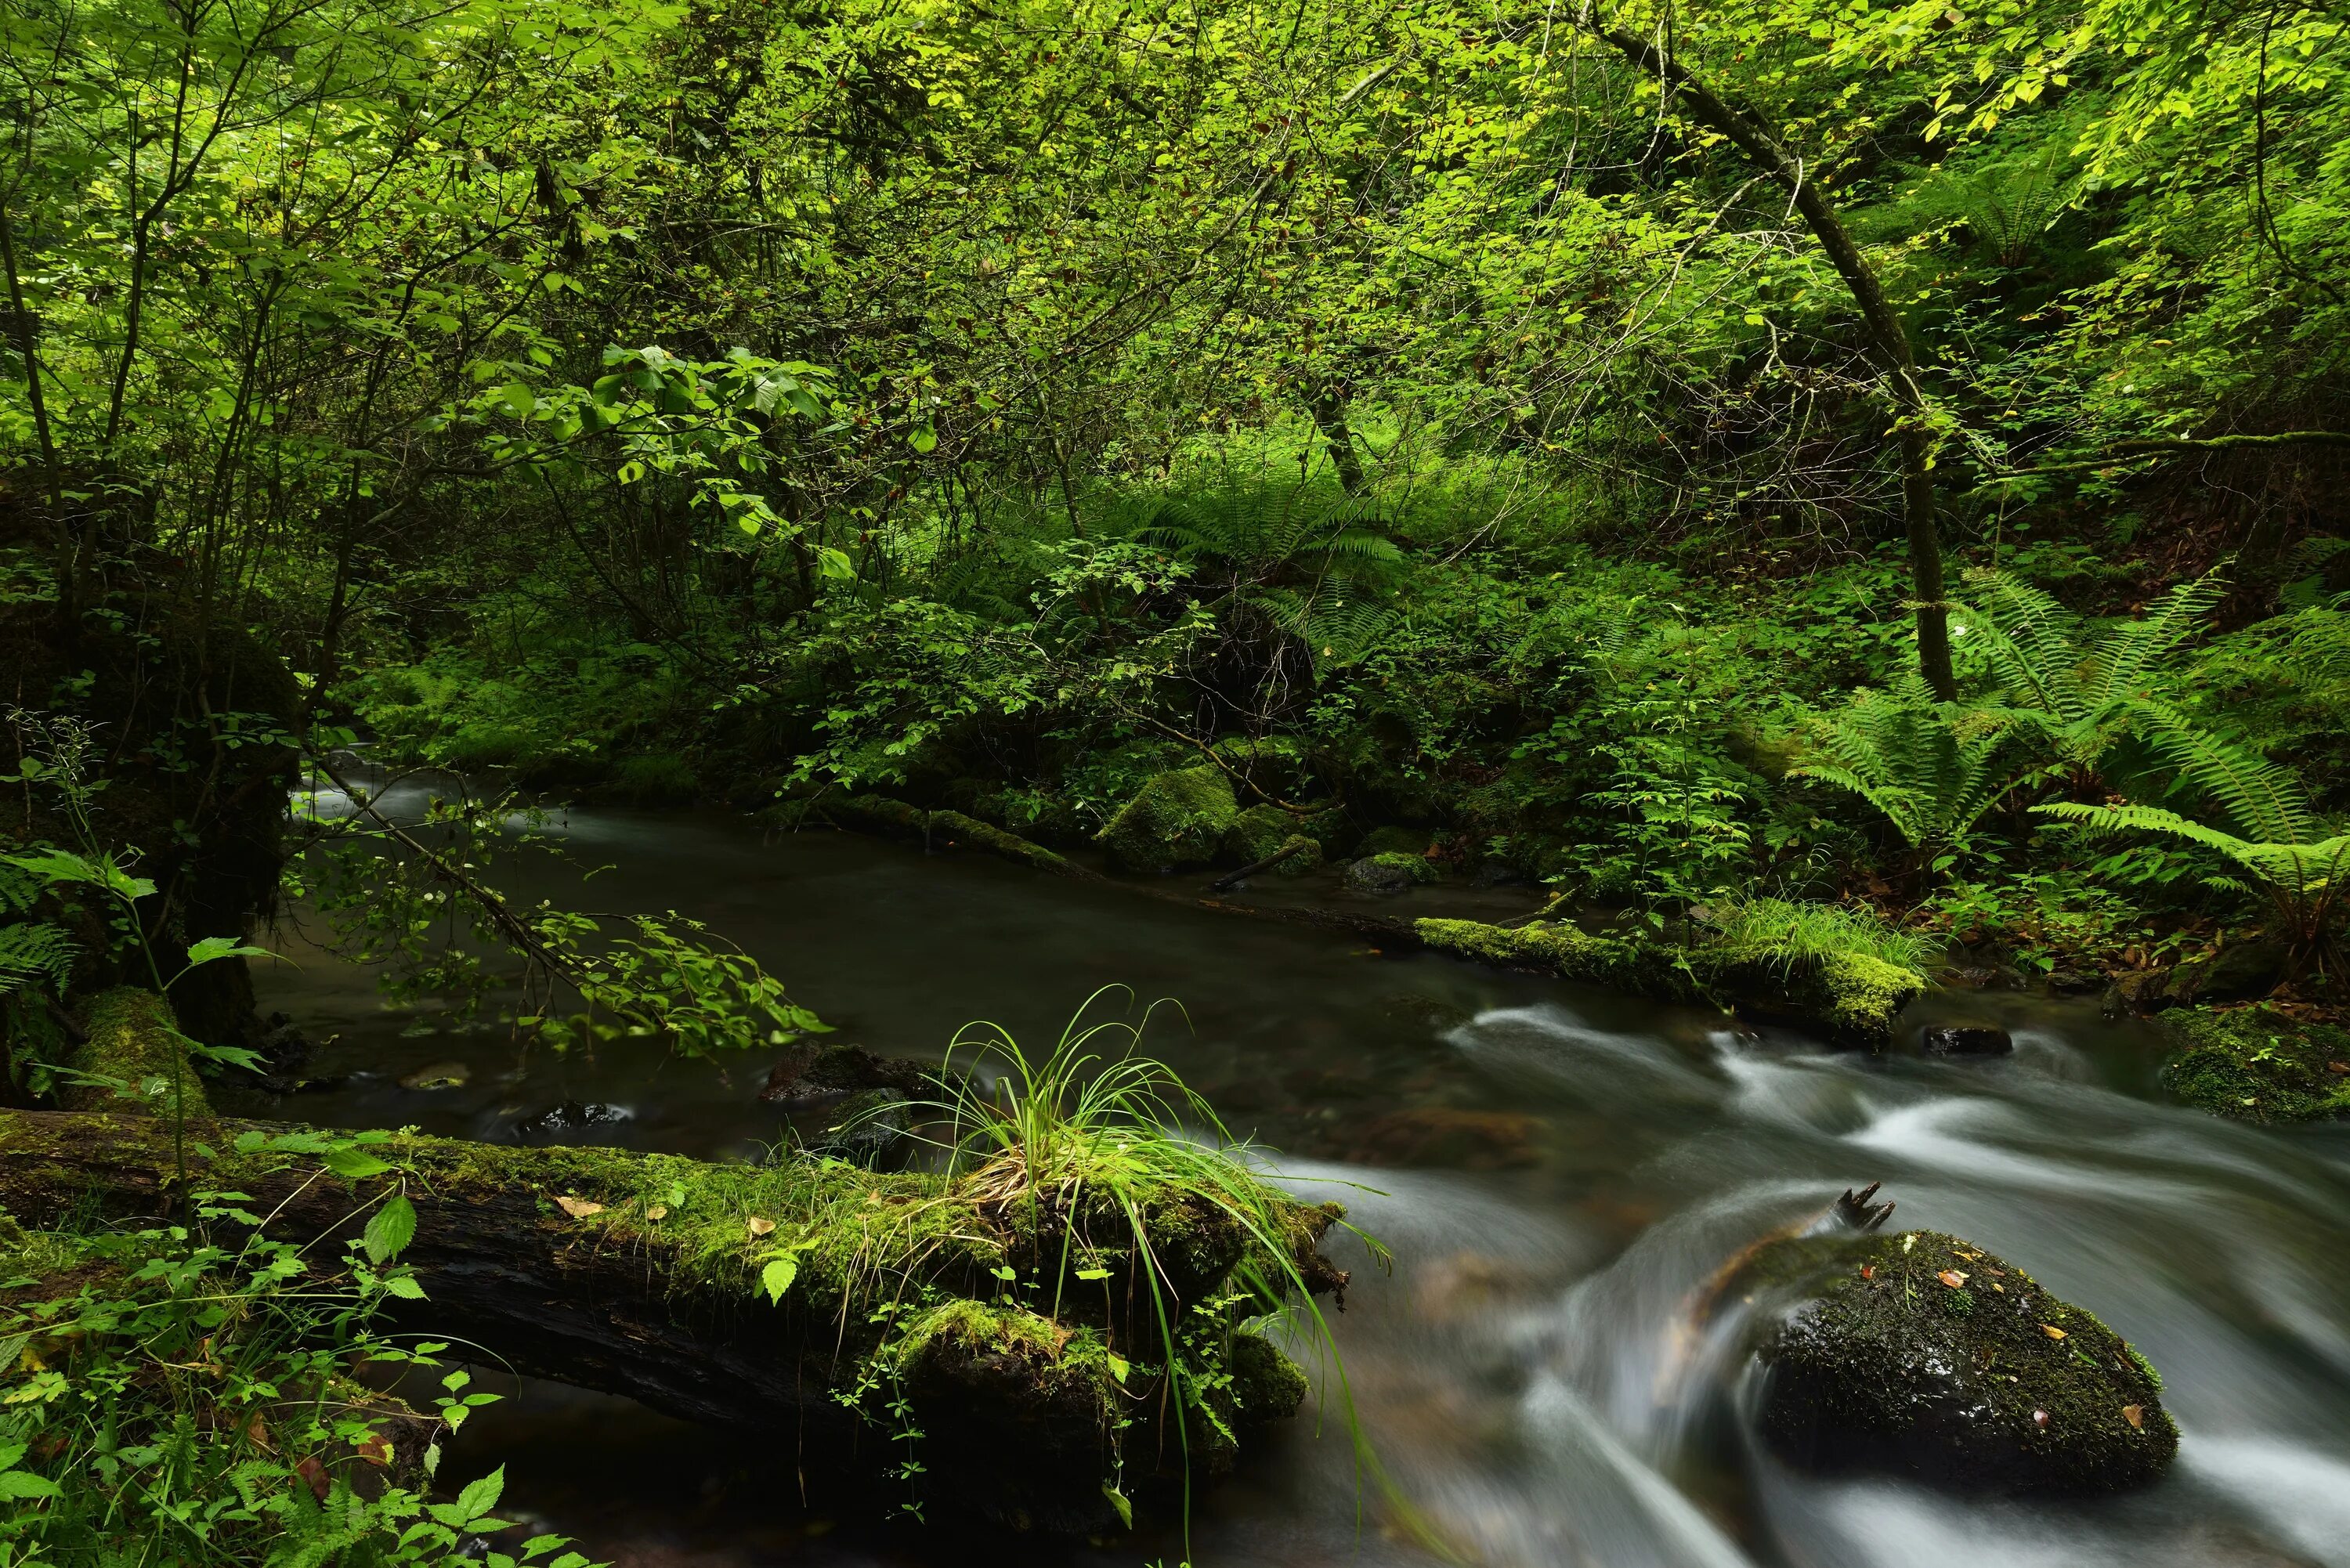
(1328,407)
(639,1275)
(1889,338)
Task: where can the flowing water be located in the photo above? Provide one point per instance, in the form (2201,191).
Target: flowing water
(1559,1173)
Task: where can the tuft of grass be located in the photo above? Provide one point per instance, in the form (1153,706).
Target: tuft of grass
(1105,1152)
(1805,935)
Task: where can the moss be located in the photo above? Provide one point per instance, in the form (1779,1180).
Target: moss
(1922,1354)
(1266,1385)
(2258,1064)
(1175,820)
(1258,832)
(134,1047)
(1415,867)
(1852,998)
(1413,841)
(658,779)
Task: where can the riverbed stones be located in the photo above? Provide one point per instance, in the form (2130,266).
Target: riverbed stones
(1175,820)
(1966,1040)
(1921,1354)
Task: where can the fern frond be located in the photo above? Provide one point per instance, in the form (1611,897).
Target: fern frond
(2261,797)
(33,951)
(2124,656)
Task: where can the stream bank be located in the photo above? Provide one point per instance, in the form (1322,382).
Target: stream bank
(1559,1170)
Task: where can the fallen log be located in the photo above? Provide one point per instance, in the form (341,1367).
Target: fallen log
(1013,1346)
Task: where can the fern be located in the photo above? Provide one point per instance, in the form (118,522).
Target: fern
(2094,688)
(2303,880)
(1933,769)
(33,953)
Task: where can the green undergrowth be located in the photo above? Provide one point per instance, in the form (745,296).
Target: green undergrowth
(2256,1065)
(179,1394)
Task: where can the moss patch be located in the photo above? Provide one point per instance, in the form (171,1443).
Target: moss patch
(2257,1065)
(1854,999)
(1175,820)
(1920,1354)
(1265,830)
(131,1055)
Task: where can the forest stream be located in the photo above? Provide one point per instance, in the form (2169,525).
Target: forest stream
(1558,1171)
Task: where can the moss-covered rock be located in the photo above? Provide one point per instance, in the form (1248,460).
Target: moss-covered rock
(1921,1354)
(1263,831)
(1853,999)
(1393,840)
(1384,876)
(2256,1063)
(1176,819)
(129,1059)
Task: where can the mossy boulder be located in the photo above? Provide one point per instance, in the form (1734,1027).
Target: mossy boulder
(2257,1065)
(1924,1356)
(1263,831)
(1851,998)
(1393,840)
(1175,820)
(130,1058)
(1384,876)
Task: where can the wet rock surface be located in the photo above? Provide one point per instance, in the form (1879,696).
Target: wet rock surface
(1921,1354)
(571,1117)
(1386,875)
(813,1075)
(1966,1040)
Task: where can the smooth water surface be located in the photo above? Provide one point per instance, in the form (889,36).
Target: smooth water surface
(1559,1174)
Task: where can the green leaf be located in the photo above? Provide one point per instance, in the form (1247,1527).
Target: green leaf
(777,1276)
(211,948)
(519,398)
(353,1164)
(24,1484)
(1118,1501)
(482,1495)
(405,1287)
(924,437)
(1093,1274)
(388,1234)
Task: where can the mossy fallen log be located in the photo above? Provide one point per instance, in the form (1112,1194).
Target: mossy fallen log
(1021,1343)
(1853,999)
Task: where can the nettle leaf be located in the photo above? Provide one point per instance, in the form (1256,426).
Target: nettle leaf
(777,1276)
(388,1234)
(353,1164)
(211,948)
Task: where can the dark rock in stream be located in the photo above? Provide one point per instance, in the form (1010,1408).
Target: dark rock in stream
(570,1116)
(867,1130)
(1966,1040)
(810,1076)
(1386,875)
(1921,1354)
(1449,1138)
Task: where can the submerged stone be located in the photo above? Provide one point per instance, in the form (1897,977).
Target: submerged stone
(438,1075)
(1923,1356)
(1175,820)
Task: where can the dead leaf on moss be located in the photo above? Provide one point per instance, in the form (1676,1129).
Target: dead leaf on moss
(759,1227)
(578,1208)
(2136,1416)
(658,1211)
(1953,1277)
(2052,1331)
